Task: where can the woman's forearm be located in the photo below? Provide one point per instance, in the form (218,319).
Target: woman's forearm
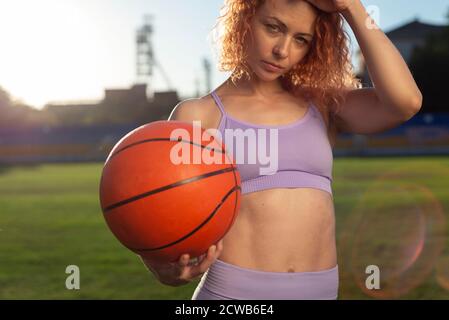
(392,79)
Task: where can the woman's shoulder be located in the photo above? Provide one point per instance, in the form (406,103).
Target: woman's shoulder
(196,109)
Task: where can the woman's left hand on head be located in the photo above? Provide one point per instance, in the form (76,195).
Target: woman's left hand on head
(332,5)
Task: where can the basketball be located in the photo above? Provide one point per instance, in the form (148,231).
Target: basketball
(158,201)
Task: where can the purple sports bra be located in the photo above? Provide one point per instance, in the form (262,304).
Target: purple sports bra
(289,156)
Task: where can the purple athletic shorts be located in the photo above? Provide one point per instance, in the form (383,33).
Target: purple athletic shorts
(224,281)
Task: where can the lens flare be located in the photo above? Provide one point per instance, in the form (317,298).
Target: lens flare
(442,272)
(398,226)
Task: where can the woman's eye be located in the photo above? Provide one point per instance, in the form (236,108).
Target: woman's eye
(272,27)
(275,28)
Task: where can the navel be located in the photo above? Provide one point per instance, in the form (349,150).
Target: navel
(290,269)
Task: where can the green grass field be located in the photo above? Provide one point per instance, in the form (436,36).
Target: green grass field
(50,218)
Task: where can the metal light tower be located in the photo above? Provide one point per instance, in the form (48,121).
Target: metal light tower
(207,72)
(145,60)
(145,56)
(197,87)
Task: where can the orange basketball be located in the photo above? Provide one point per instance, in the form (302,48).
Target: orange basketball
(159,201)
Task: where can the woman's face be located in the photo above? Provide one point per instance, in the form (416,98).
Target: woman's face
(282,31)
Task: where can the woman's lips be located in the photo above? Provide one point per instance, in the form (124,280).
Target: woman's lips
(271,67)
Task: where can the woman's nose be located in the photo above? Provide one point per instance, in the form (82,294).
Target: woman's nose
(281,49)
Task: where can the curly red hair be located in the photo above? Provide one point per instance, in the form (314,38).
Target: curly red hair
(320,75)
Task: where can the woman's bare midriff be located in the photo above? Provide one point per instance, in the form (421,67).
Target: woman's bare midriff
(280,229)
(283,230)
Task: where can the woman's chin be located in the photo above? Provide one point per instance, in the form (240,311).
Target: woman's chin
(268,76)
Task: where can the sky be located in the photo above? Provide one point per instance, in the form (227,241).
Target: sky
(72,50)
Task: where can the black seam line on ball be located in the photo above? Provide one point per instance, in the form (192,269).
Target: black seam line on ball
(235,203)
(197,228)
(169,186)
(163,139)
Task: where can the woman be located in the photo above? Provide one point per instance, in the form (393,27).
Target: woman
(282,244)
